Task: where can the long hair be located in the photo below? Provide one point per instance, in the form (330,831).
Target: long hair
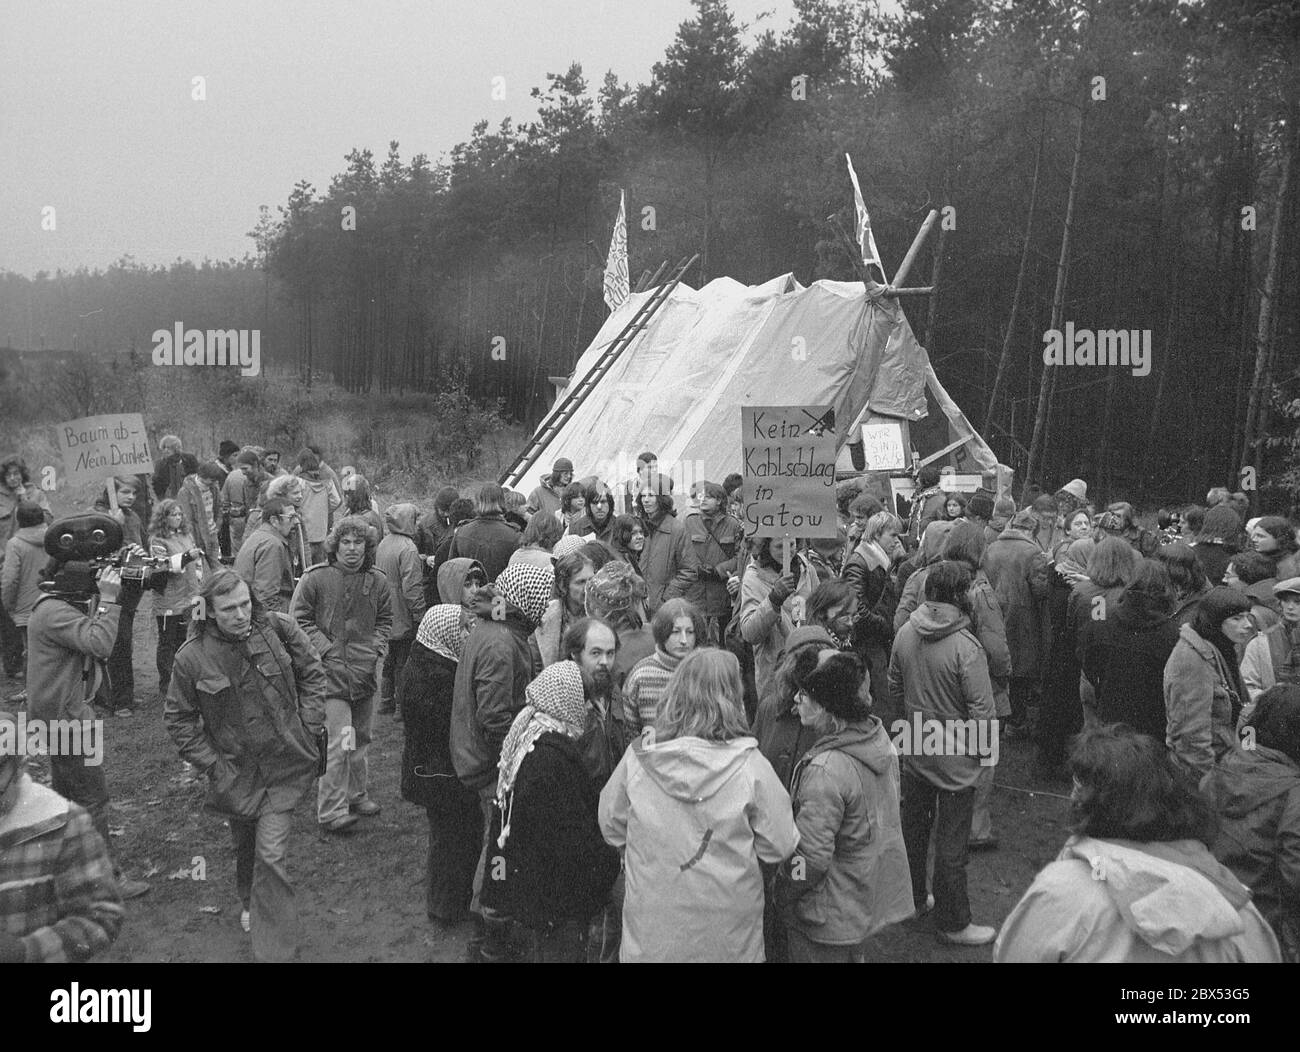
(661,624)
(624,527)
(15,462)
(949,582)
(491,500)
(1280,530)
(966,544)
(828,595)
(1150,590)
(542,531)
(1185,571)
(703,699)
(881,522)
(356,498)
(566,569)
(1130,787)
(594,492)
(347,526)
(158,524)
(1218,605)
(1113,563)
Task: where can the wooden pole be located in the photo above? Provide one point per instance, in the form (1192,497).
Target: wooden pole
(912,252)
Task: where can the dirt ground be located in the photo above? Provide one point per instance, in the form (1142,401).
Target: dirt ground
(361,896)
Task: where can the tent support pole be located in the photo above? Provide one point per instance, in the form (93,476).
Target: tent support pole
(912,252)
(943,452)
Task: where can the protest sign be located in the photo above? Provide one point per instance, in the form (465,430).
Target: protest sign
(882,446)
(97,447)
(788,464)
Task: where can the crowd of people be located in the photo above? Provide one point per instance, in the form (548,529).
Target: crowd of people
(639,735)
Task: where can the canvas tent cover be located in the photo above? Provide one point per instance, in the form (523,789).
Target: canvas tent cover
(678,389)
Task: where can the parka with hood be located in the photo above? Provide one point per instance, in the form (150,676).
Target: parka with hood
(451,579)
(855,878)
(399,559)
(694,818)
(1017,568)
(348,616)
(20,576)
(1257,796)
(1120,901)
(9,501)
(716,540)
(1202,701)
(1123,656)
(497,665)
(546,498)
(938,671)
(668,561)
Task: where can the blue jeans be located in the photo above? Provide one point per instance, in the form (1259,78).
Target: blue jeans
(344,783)
(949,813)
(262,879)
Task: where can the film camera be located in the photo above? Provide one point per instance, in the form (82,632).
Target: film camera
(84,546)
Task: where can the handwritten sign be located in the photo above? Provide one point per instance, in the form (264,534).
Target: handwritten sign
(882,446)
(97,447)
(788,464)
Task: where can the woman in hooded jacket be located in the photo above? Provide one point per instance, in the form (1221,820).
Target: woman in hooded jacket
(694,807)
(1256,793)
(1204,691)
(1140,830)
(849,878)
(428,777)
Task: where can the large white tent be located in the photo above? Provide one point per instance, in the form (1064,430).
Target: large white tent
(677,389)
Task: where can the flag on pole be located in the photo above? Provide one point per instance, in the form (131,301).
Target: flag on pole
(617,286)
(866,239)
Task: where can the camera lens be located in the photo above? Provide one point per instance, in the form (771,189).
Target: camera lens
(66,541)
(97,536)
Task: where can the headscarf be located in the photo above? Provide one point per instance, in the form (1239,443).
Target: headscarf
(528,588)
(441,630)
(554,701)
(615,588)
(1073,564)
(568,543)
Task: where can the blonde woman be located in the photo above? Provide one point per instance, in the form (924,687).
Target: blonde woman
(694,807)
(170,538)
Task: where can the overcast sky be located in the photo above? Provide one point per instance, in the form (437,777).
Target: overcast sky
(97,118)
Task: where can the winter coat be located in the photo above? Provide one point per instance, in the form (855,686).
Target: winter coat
(1214,557)
(551,631)
(1257,796)
(762,626)
(320,499)
(1017,569)
(938,671)
(170,473)
(668,561)
(543,500)
(605,738)
(877,599)
(348,616)
(177,596)
(557,867)
(195,498)
(582,527)
(694,818)
(850,876)
(1122,901)
(9,501)
(66,649)
(487,538)
(1272,657)
(399,559)
(266,566)
(715,541)
(1124,658)
(1201,702)
(238,494)
(248,714)
(20,575)
(426,692)
(782,738)
(494,670)
(451,579)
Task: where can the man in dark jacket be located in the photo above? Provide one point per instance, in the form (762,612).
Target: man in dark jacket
(716,538)
(1017,568)
(173,469)
(246,706)
(399,558)
(497,664)
(264,561)
(345,608)
(488,538)
(927,504)
(547,498)
(668,561)
(430,529)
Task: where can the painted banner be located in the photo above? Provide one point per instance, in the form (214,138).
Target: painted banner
(788,464)
(98,447)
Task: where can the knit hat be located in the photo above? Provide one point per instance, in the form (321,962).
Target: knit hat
(248,459)
(568,543)
(526,587)
(442,630)
(1076,488)
(563,464)
(227,448)
(615,587)
(833,681)
(805,634)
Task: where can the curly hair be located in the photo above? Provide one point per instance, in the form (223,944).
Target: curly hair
(14,462)
(353,525)
(158,524)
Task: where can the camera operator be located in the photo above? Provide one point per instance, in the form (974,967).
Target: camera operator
(72,631)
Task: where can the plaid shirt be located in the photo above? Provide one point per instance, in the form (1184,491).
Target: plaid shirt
(57,891)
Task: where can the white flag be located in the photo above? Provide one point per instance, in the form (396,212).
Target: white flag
(866,239)
(617,286)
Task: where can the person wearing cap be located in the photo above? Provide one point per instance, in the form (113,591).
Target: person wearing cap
(616,595)
(60,902)
(556,871)
(496,665)
(548,496)
(1273,656)
(849,877)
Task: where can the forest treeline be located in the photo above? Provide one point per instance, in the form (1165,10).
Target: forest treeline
(1115,165)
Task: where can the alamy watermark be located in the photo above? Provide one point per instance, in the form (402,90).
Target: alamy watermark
(921,737)
(1123,347)
(28,737)
(181,346)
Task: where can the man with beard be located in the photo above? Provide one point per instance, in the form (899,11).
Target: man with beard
(593,645)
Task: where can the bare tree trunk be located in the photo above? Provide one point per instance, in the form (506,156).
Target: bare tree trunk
(1020,283)
(1058,308)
